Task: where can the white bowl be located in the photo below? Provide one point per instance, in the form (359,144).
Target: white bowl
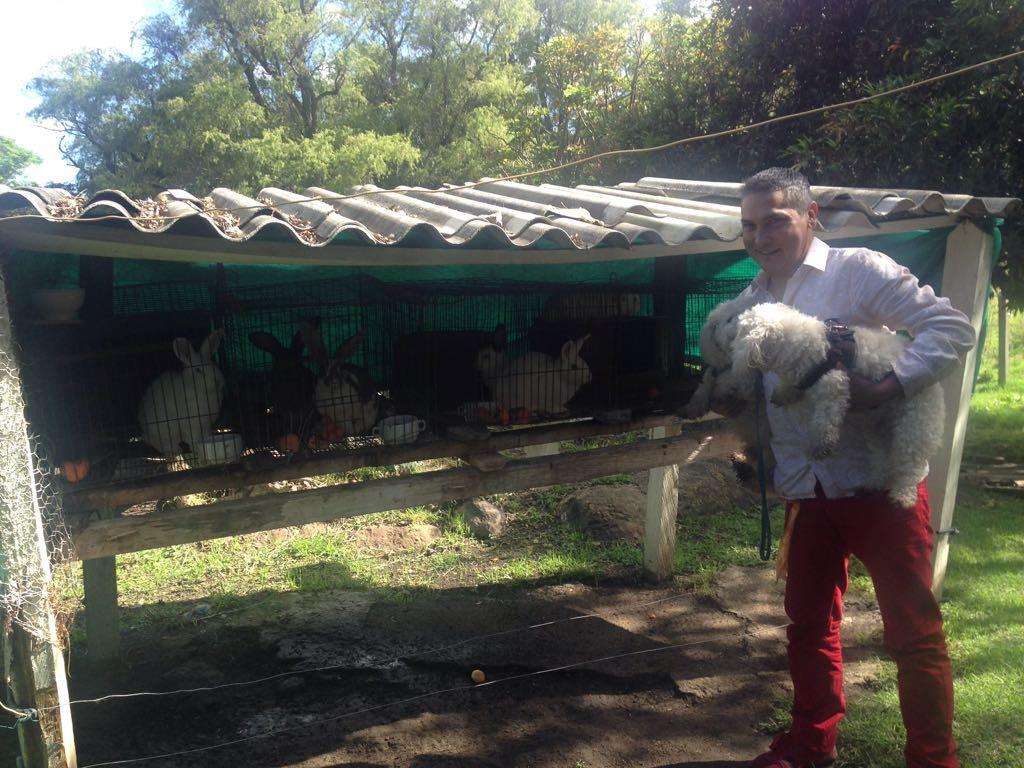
(222,448)
(58,305)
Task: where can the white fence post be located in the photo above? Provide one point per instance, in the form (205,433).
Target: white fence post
(965,281)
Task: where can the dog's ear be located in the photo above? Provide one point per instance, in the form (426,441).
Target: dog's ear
(759,340)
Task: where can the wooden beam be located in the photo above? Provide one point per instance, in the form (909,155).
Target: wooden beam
(662,508)
(965,281)
(264,469)
(102,538)
(36,671)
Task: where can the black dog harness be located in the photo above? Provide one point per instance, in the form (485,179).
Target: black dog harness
(842,352)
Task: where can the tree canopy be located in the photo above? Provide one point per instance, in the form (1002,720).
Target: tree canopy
(13,160)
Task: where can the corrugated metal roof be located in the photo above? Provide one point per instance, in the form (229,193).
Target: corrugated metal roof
(498,215)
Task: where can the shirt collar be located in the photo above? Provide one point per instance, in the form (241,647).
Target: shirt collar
(816,258)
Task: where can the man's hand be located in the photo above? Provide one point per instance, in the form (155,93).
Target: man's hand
(730,407)
(866,394)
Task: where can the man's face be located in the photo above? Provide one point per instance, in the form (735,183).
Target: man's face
(776,237)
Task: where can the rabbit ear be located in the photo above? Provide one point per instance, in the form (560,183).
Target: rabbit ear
(267,342)
(297,344)
(351,346)
(571,349)
(184,351)
(209,348)
(311,336)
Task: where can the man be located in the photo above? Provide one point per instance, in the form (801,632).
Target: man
(829,513)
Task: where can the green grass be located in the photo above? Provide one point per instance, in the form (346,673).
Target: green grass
(996,426)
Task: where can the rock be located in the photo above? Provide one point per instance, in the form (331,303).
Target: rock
(484,519)
(395,537)
(607,512)
(711,486)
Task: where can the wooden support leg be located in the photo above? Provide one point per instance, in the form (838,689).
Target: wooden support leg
(102,631)
(1004,339)
(662,507)
(965,280)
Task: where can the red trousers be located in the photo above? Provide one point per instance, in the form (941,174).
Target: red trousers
(895,544)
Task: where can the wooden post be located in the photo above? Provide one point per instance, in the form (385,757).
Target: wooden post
(543,449)
(965,281)
(662,508)
(34,663)
(102,628)
(1004,339)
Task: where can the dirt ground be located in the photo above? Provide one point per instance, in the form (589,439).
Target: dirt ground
(398,689)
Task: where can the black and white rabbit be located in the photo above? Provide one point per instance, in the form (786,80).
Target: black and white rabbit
(180,407)
(344,392)
(291,383)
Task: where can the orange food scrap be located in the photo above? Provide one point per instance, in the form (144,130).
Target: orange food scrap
(76,471)
(331,431)
(288,443)
(520,416)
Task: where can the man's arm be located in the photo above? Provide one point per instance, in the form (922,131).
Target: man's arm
(866,394)
(888,294)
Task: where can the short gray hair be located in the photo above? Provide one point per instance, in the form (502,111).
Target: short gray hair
(795,189)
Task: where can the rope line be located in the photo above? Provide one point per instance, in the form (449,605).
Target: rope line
(166,220)
(346,715)
(384,662)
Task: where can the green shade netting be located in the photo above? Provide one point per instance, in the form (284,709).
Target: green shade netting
(472,293)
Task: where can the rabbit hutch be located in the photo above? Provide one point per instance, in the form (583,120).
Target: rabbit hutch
(185,344)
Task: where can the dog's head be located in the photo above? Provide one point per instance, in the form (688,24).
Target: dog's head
(719,330)
(776,337)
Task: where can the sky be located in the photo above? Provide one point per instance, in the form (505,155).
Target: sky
(34,33)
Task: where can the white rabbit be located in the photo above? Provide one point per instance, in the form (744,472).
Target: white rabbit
(344,392)
(537,382)
(180,407)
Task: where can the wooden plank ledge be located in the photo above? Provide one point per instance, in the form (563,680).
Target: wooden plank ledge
(102,538)
(237,476)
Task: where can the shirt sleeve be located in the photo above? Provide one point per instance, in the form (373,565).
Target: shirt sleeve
(941,335)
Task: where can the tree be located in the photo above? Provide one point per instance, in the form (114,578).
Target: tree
(234,94)
(13,160)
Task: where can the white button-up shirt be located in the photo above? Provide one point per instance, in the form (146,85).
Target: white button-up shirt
(859,287)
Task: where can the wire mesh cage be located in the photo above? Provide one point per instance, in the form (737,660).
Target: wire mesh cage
(522,352)
(183,373)
(90,386)
(304,362)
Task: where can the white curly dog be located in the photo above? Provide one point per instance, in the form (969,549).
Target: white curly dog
(901,434)
(724,382)
(721,380)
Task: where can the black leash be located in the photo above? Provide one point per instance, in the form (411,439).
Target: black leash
(762,475)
